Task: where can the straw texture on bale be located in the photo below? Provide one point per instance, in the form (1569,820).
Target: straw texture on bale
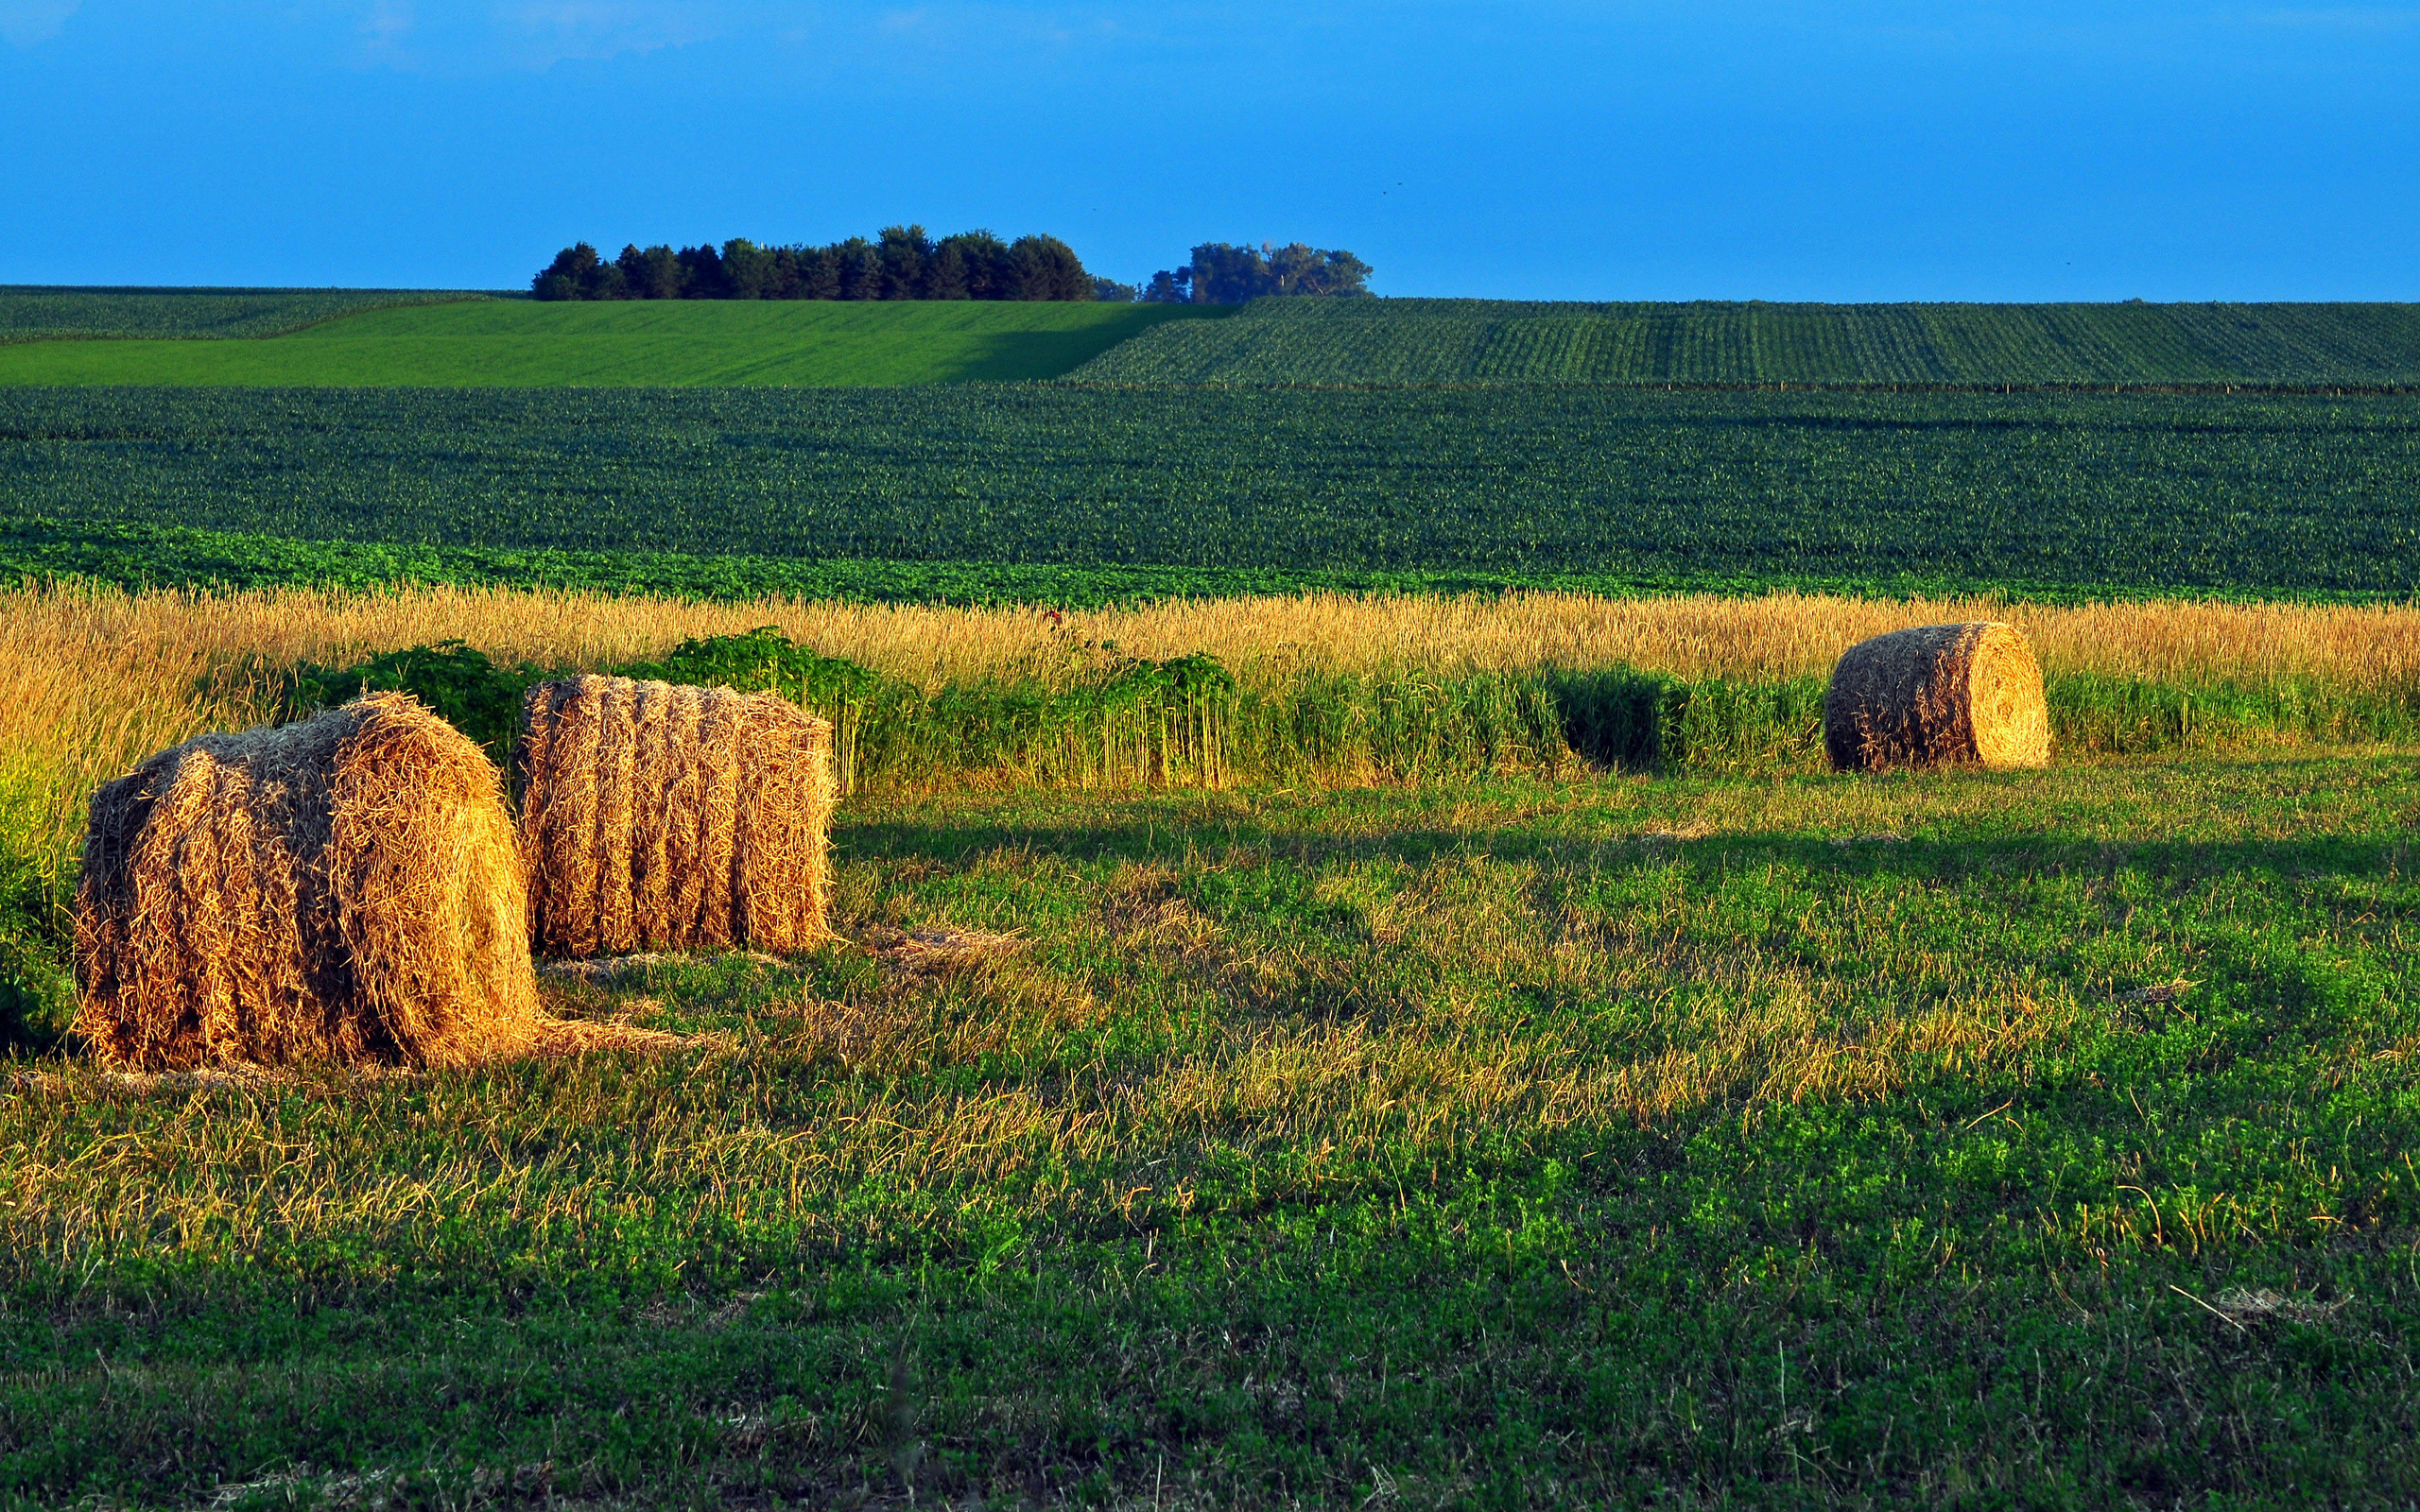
(660,816)
(346,889)
(1938,695)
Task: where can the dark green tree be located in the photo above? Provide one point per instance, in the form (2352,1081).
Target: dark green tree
(860,267)
(904,251)
(655,273)
(991,271)
(749,272)
(562,279)
(703,267)
(1048,268)
(946,275)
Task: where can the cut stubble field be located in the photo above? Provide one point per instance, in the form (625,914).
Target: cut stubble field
(1560,1137)
(1945,1141)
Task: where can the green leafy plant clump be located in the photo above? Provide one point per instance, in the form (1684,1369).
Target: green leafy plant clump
(37,996)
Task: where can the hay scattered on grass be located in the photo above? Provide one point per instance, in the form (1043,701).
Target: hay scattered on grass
(347,889)
(2161,994)
(662,818)
(936,949)
(612,970)
(2241,1306)
(1938,695)
(580,1036)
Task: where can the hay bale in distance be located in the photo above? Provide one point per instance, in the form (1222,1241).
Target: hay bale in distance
(661,817)
(1938,695)
(344,888)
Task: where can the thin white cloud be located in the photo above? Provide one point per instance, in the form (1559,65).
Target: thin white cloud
(25,23)
(458,36)
(2342,18)
(551,31)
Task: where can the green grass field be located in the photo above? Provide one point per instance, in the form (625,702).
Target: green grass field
(1589,486)
(502,343)
(1525,1145)
(1494,341)
(33,313)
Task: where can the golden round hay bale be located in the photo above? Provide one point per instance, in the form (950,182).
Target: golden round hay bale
(1938,695)
(344,888)
(660,816)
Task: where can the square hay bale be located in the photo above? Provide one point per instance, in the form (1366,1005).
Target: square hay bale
(1938,695)
(660,816)
(344,888)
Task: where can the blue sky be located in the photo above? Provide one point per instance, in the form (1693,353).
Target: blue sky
(1713,148)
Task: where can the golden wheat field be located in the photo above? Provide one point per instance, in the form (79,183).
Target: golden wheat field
(107,677)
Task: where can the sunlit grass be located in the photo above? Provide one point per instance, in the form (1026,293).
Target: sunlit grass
(1534,1141)
(1811,1067)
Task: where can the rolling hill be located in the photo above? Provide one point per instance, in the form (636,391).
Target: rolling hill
(1491,341)
(498,343)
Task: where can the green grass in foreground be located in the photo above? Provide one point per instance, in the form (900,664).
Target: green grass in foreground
(1693,1142)
(38,313)
(2064,493)
(639,343)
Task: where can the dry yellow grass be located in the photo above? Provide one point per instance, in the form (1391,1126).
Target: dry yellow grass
(98,679)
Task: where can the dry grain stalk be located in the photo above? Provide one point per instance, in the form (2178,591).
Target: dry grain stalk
(1938,695)
(657,817)
(345,889)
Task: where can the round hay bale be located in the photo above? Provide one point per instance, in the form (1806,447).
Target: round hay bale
(344,888)
(656,815)
(1938,695)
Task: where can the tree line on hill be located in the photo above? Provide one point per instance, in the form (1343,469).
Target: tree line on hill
(1220,273)
(904,263)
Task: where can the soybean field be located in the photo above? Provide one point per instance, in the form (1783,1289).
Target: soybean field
(2038,493)
(1492,342)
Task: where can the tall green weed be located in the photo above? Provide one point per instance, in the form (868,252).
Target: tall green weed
(1117,721)
(36,866)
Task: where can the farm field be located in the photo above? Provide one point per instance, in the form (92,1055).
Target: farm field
(1496,1131)
(1372,999)
(2038,493)
(516,343)
(1491,341)
(34,312)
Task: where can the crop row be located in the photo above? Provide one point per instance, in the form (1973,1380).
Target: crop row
(2270,495)
(1436,341)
